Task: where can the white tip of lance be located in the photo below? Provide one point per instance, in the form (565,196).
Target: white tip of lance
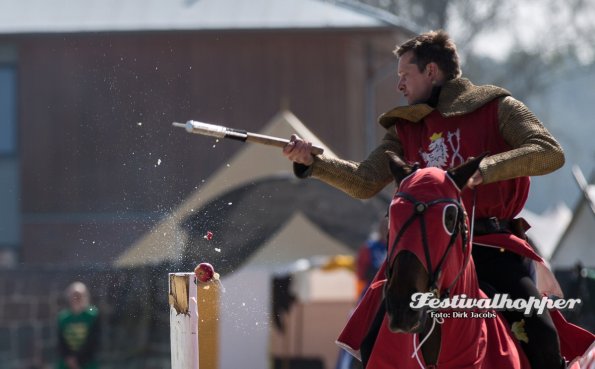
(201,128)
(182,125)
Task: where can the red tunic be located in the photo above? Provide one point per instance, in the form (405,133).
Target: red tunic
(443,142)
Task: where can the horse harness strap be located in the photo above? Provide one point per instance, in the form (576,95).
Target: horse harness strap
(491,225)
(419,209)
(517,226)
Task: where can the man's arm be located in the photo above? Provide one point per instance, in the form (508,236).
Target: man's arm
(361,180)
(534,150)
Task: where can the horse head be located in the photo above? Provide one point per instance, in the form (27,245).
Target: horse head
(428,238)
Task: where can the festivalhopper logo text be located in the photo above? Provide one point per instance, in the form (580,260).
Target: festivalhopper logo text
(422,300)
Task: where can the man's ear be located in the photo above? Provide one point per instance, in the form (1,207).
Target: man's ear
(432,69)
(398,167)
(461,174)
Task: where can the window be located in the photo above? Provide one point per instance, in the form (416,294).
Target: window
(8,131)
(10,203)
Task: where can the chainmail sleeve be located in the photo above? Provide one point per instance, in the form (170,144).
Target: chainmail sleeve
(361,180)
(535,151)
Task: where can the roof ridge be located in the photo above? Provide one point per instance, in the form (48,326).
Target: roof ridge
(177,15)
(381,14)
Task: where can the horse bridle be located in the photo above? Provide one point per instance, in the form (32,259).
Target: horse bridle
(460,228)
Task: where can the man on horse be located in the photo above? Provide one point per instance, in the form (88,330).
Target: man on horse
(448,120)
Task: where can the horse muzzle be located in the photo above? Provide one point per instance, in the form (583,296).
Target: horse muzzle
(406,320)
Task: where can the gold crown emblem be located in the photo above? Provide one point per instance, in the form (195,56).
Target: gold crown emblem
(435,136)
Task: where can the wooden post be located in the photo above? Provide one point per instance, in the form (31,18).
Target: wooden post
(194,322)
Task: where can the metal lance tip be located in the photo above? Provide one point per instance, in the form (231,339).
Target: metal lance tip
(204,129)
(187,125)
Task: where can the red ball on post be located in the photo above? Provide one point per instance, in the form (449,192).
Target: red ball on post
(204,272)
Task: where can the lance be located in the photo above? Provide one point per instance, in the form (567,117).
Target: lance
(214,130)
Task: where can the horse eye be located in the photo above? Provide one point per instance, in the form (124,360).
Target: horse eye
(450,218)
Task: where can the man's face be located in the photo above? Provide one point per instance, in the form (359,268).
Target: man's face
(416,86)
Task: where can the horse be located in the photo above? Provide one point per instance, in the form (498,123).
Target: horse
(430,255)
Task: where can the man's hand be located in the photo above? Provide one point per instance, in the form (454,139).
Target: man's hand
(474,180)
(299,151)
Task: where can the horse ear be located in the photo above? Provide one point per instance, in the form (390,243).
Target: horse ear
(461,174)
(398,167)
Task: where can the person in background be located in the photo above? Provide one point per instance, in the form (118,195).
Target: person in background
(78,330)
(371,255)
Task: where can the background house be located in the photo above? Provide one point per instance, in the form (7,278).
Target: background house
(90,89)
(90,164)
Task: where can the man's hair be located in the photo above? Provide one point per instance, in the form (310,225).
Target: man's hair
(433,46)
